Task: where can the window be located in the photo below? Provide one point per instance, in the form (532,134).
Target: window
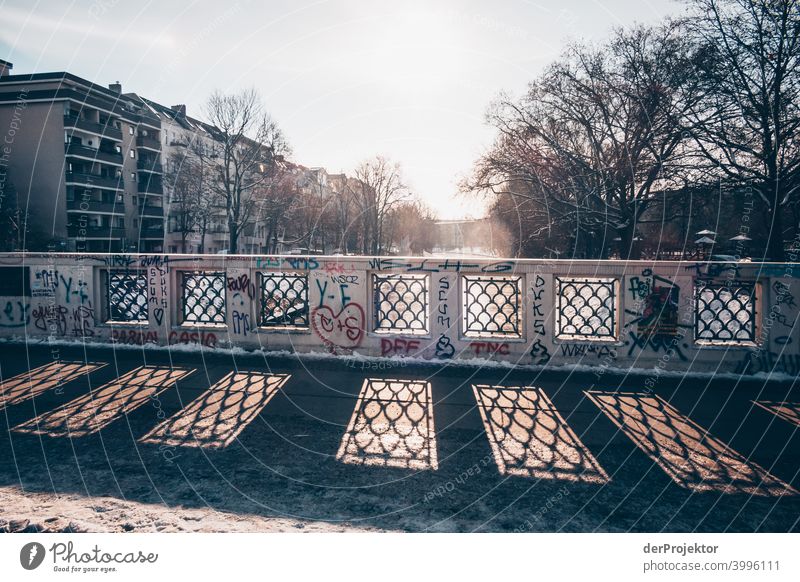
(725,314)
(491,306)
(127,296)
(587,309)
(203,298)
(130,130)
(133,154)
(401,304)
(284,300)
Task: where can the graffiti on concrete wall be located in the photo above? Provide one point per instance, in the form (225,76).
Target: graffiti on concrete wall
(337,320)
(342,330)
(654,324)
(399,346)
(15,313)
(539,351)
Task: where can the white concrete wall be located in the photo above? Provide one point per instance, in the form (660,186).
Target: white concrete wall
(67,300)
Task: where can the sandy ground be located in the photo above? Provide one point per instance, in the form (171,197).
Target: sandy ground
(332,448)
(43,513)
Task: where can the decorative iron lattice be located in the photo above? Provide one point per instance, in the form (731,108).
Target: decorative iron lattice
(284,300)
(127,297)
(491,306)
(587,309)
(204,297)
(725,313)
(401,303)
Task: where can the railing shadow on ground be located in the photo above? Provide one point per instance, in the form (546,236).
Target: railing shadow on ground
(788,411)
(688,454)
(27,385)
(529,438)
(391,426)
(94,411)
(218,416)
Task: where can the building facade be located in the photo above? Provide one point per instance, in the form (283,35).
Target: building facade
(85,162)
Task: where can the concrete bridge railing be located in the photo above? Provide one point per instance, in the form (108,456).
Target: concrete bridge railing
(682,316)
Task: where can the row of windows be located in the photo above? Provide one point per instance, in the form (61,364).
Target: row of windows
(587,309)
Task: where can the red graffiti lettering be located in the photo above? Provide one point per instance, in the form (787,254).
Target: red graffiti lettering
(205,338)
(398,347)
(343,330)
(133,337)
(489,348)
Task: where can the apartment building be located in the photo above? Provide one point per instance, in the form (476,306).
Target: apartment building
(85,162)
(90,166)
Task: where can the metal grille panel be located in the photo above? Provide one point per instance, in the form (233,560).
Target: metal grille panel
(204,298)
(127,297)
(725,314)
(587,309)
(401,303)
(284,300)
(491,306)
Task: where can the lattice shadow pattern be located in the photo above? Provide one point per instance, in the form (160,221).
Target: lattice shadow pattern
(204,298)
(684,450)
(34,382)
(127,297)
(94,411)
(788,411)
(391,426)
(529,438)
(491,306)
(284,300)
(725,313)
(587,309)
(218,416)
(401,303)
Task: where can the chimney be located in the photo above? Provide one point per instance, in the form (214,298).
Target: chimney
(179,109)
(116,87)
(5,68)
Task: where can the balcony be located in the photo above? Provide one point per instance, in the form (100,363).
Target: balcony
(96,206)
(95,181)
(148,142)
(150,187)
(149,166)
(105,130)
(151,210)
(93,154)
(104,232)
(152,229)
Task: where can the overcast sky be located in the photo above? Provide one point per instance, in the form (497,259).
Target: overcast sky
(345,79)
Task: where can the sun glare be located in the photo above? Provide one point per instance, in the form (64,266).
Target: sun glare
(416,50)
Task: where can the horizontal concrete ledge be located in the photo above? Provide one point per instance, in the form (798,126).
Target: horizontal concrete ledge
(528,373)
(652,317)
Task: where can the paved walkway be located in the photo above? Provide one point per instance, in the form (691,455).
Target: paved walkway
(149,440)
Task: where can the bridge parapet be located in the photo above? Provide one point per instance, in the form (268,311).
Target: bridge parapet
(683,316)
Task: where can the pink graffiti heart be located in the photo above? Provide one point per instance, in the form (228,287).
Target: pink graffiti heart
(339,330)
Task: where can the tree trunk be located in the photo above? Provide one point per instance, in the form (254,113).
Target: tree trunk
(203,229)
(233,236)
(775,251)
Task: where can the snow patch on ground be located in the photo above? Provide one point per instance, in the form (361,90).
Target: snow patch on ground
(471,363)
(41,512)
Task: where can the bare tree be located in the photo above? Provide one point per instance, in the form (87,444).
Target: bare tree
(749,122)
(249,149)
(276,202)
(189,180)
(377,190)
(598,137)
